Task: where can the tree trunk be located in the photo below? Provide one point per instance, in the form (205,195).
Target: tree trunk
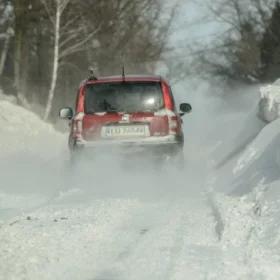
(4,53)
(20,52)
(55,63)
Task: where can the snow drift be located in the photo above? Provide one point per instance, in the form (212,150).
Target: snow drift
(24,131)
(29,150)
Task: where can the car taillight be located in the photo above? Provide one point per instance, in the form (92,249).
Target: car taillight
(170,107)
(78,125)
(167,98)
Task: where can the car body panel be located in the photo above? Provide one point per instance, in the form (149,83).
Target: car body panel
(161,130)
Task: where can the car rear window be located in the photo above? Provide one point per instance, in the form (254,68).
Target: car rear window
(123,97)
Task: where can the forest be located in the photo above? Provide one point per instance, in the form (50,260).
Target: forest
(47,46)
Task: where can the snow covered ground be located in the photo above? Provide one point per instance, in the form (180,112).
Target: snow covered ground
(218,219)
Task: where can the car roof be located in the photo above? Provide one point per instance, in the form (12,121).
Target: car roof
(127,78)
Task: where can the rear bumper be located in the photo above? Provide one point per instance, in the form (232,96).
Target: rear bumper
(149,141)
(170,144)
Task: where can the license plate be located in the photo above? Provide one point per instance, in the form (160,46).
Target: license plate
(125,131)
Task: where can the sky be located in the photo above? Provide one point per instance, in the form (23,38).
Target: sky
(192,23)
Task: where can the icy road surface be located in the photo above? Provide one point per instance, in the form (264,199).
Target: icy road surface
(218,219)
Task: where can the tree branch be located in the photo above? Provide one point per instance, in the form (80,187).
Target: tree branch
(80,45)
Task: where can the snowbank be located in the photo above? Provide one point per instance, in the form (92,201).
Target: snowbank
(31,153)
(23,131)
(257,163)
(245,198)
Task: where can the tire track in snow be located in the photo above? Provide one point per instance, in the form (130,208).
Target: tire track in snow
(75,248)
(199,243)
(164,247)
(90,242)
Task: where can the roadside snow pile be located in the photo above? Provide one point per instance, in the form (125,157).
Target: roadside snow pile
(269,105)
(30,157)
(249,233)
(4,97)
(258,163)
(248,216)
(23,131)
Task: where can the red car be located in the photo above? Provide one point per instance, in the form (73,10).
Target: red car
(127,114)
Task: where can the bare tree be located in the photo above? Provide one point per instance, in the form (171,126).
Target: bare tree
(55,41)
(236,52)
(68,39)
(6,35)
(133,33)
(55,9)
(20,55)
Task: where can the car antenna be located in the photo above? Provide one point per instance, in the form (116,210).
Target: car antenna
(91,74)
(123,74)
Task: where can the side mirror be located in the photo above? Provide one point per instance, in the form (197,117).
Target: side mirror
(185,108)
(66,113)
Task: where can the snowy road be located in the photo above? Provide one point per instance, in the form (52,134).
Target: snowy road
(108,239)
(120,225)
(134,239)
